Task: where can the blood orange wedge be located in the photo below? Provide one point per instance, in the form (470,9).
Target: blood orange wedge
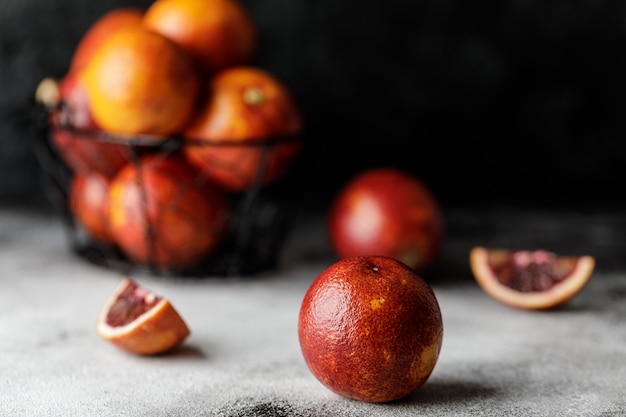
(139,321)
(531,280)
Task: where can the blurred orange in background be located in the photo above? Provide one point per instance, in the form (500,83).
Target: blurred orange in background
(217,33)
(88,201)
(162,216)
(390,212)
(141,82)
(244,108)
(73,132)
(100,30)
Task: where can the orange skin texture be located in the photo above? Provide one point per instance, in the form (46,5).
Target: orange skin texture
(100,30)
(157,331)
(182,221)
(370,329)
(88,201)
(140,82)
(244,107)
(81,151)
(385,211)
(485,262)
(217,33)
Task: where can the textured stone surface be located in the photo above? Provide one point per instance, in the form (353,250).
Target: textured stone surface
(243,358)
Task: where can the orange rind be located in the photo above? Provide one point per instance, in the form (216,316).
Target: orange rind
(370,329)
(531,280)
(138,321)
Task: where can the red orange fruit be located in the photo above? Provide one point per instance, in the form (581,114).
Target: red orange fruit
(244,109)
(370,329)
(531,280)
(386,211)
(88,201)
(99,30)
(140,82)
(139,321)
(163,215)
(217,33)
(74,133)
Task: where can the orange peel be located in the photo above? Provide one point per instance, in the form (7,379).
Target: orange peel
(138,321)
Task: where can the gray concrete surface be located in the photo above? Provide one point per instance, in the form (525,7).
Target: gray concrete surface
(243,357)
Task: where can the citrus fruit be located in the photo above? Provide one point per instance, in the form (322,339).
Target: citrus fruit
(74,103)
(99,30)
(138,321)
(370,329)
(74,132)
(229,139)
(217,33)
(88,202)
(140,82)
(162,215)
(531,280)
(387,211)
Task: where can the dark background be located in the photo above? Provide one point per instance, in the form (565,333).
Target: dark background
(490,103)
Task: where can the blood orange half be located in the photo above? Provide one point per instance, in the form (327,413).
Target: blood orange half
(531,280)
(138,321)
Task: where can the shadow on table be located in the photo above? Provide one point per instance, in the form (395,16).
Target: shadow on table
(183,352)
(448,392)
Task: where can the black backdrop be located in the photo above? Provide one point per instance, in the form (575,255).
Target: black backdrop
(493,102)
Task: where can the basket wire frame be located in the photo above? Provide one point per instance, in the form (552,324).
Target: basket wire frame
(260,221)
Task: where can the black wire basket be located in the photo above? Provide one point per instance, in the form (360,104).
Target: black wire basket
(260,216)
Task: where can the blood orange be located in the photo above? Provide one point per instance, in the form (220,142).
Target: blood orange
(100,30)
(73,132)
(244,106)
(217,33)
(88,201)
(531,280)
(386,211)
(138,321)
(370,329)
(138,81)
(163,215)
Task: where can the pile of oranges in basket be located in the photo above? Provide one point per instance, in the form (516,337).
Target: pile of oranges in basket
(164,122)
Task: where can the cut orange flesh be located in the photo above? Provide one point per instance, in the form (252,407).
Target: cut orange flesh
(139,321)
(531,280)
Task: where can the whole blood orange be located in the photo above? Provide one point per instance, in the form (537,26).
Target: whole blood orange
(386,211)
(140,82)
(139,321)
(74,103)
(217,33)
(370,329)
(74,132)
(162,215)
(229,139)
(531,280)
(99,30)
(88,201)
